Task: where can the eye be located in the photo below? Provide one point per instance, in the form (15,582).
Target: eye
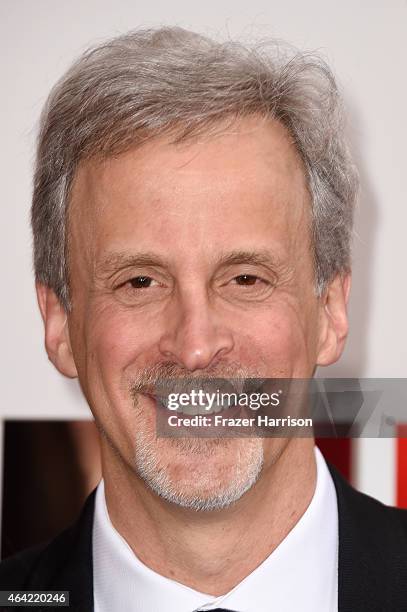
(248,287)
(140,282)
(247,280)
(141,290)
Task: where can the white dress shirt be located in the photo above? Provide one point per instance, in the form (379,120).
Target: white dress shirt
(300,574)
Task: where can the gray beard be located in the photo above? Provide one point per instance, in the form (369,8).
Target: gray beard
(157,478)
(146,462)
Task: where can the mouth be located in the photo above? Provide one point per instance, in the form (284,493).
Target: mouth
(205,397)
(208,407)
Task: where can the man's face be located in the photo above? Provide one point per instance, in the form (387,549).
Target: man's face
(193,259)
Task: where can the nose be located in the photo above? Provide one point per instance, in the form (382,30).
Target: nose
(195,337)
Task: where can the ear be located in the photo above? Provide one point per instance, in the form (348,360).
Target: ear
(57,341)
(333,320)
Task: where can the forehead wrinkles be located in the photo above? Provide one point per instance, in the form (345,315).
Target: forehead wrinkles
(93,189)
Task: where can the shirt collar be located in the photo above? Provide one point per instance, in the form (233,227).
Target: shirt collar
(301,573)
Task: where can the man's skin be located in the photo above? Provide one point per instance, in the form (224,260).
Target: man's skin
(220,224)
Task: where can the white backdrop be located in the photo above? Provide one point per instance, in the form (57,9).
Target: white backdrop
(365,42)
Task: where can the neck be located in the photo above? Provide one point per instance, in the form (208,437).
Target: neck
(213,551)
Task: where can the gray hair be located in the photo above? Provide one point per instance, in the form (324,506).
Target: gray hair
(171,81)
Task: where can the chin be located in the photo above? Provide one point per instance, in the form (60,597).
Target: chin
(199,474)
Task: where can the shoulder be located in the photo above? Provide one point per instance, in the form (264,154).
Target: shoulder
(16,570)
(357,508)
(379,526)
(55,564)
(372,551)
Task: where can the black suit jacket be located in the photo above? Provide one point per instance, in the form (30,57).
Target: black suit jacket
(372,558)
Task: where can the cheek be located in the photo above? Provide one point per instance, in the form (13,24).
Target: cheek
(281,339)
(115,344)
(118,339)
(116,347)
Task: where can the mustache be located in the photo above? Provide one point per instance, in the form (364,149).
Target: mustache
(168,374)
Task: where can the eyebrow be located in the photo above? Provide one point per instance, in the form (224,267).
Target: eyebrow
(112,262)
(261,257)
